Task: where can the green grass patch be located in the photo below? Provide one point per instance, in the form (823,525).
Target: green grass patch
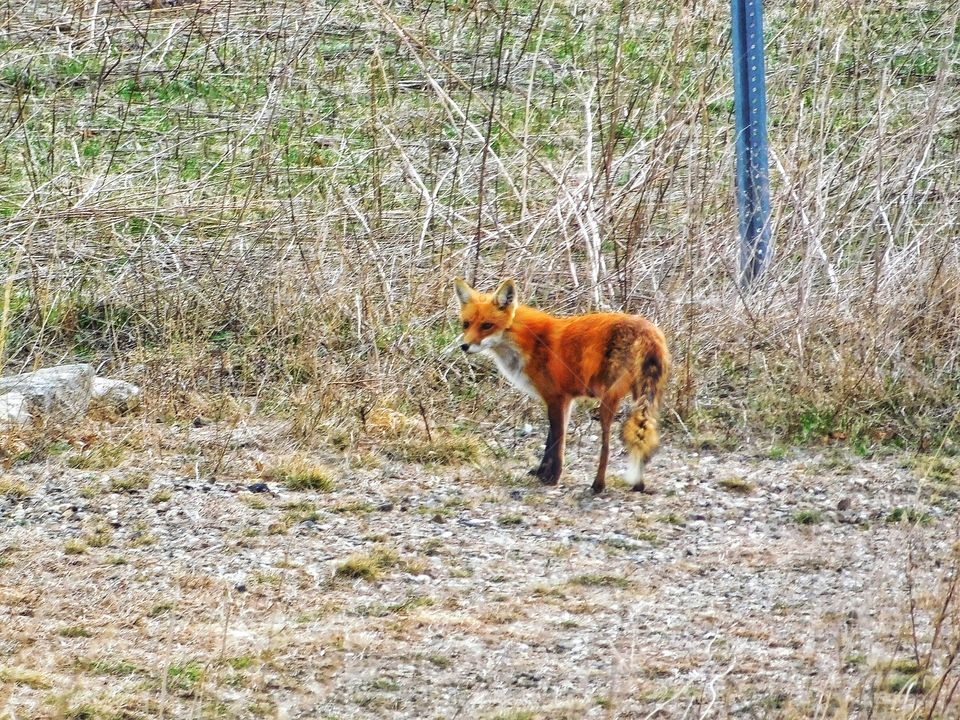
(384,610)
(808,516)
(439,661)
(116,668)
(904,676)
(185,676)
(385,684)
(74,631)
(600,580)
(160,608)
(242,662)
(911,515)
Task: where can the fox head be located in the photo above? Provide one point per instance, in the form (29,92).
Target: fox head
(485,317)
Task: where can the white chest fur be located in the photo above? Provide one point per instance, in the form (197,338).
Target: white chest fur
(510,364)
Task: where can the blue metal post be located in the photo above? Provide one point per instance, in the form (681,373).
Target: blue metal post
(750,104)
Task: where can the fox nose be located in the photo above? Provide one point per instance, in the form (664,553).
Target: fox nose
(465,347)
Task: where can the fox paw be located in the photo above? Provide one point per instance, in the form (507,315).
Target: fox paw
(549,477)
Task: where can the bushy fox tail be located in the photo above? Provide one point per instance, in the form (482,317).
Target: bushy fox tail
(640,434)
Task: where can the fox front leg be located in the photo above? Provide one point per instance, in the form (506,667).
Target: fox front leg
(558,412)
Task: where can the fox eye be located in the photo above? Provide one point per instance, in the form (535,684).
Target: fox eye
(486,326)
(466,324)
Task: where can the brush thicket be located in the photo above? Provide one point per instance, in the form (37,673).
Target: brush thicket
(270,199)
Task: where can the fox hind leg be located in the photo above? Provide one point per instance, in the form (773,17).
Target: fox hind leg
(641,438)
(635,468)
(608,408)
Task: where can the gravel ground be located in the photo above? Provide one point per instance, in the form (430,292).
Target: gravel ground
(158,578)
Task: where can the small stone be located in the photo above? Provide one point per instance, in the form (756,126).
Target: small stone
(14,409)
(259,487)
(240,587)
(58,394)
(385,507)
(117,394)
(527,680)
(516,494)
(845,504)
(620,542)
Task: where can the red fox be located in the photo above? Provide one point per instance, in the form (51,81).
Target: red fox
(603,355)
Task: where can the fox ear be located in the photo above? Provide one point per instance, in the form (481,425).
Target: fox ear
(464,292)
(505,295)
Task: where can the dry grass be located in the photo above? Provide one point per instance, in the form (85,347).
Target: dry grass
(24,676)
(302,474)
(74,547)
(367,566)
(242,222)
(127,483)
(99,457)
(161,496)
(14,489)
(99,536)
(442,450)
(737,485)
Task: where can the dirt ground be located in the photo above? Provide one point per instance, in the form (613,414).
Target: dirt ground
(148,575)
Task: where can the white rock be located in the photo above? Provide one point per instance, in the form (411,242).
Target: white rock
(56,394)
(117,394)
(14,409)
